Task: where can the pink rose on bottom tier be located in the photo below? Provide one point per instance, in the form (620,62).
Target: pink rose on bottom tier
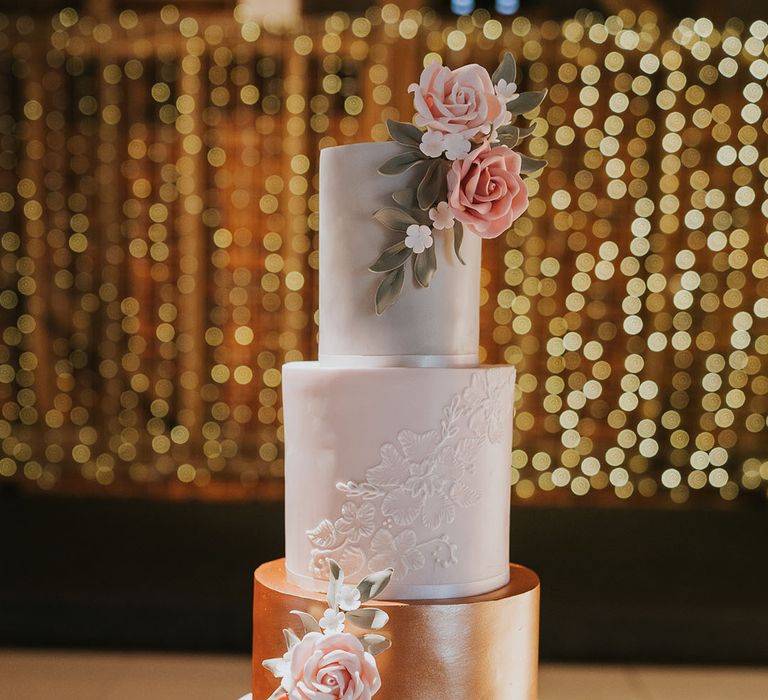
(330,666)
(485,190)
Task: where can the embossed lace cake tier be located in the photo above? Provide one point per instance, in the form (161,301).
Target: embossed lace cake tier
(401,467)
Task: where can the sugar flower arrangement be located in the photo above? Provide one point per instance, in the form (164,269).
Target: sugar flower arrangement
(328,662)
(461,150)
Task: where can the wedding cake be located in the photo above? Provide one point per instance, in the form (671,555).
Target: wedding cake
(397,442)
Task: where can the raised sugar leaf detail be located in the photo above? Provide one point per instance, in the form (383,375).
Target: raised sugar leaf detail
(393,257)
(401,162)
(404,133)
(389,290)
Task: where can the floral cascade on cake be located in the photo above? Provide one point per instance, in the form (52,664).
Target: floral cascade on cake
(466,171)
(329,662)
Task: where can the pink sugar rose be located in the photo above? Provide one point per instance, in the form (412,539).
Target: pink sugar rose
(332,667)
(485,190)
(461,101)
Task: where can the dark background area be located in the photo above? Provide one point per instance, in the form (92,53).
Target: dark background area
(639,585)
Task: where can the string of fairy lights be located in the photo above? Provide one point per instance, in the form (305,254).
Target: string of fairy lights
(158,243)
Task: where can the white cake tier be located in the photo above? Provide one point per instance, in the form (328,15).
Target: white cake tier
(436,326)
(401,467)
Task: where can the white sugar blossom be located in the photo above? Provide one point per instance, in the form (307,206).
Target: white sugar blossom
(441,215)
(456,146)
(281,666)
(332,622)
(432,144)
(348,598)
(418,238)
(507,91)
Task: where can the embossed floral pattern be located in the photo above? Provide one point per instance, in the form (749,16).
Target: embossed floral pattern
(422,480)
(356,521)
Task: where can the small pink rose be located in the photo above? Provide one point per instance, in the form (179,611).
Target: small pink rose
(461,101)
(330,666)
(485,190)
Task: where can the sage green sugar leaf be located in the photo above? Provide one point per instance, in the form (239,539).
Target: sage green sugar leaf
(309,622)
(404,133)
(393,257)
(401,162)
(507,69)
(511,135)
(375,583)
(368,618)
(526,101)
(395,219)
(458,237)
(291,638)
(335,581)
(386,295)
(531,165)
(431,183)
(425,265)
(374,644)
(406,198)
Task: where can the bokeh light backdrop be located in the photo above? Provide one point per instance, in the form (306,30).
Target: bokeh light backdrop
(158,241)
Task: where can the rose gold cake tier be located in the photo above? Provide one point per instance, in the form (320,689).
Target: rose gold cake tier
(482,647)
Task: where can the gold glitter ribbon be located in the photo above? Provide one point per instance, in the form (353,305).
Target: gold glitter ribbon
(478,648)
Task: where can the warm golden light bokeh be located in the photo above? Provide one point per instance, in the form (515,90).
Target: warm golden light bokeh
(158,243)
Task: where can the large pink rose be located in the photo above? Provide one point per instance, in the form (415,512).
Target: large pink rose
(485,190)
(461,101)
(331,667)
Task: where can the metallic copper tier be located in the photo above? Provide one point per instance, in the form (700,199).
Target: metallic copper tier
(477,647)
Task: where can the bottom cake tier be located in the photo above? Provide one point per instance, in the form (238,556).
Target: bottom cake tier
(482,647)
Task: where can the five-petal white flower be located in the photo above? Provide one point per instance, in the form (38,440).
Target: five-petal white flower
(456,146)
(432,144)
(507,91)
(348,598)
(418,238)
(441,215)
(332,622)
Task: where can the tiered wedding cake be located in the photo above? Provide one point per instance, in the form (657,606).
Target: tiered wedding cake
(397,442)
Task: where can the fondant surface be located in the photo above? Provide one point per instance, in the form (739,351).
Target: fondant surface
(439,322)
(477,647)
(400,467)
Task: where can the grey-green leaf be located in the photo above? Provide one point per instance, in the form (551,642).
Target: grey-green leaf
(512,135)
(309,622)
(507,69)
(531,165)
(526,101)
(393,257)
(368,618)
(406,198)
(404,133)
(374,644)
(401,162)
(335,581)
(394,218)
(424,266)
(291,638)
(386,295)
(430,185)
(458,237)
(375,583)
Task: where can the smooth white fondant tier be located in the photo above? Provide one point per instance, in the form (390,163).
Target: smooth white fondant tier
(402,467)
(433,326)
